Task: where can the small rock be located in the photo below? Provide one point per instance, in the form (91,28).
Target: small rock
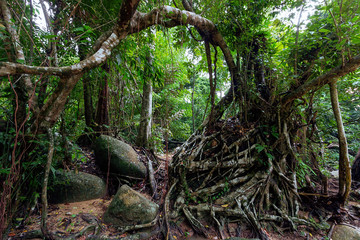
(129,207)
(347,232)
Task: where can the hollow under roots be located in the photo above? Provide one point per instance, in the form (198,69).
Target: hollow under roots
(231,171)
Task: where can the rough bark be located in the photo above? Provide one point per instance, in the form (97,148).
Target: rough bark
(146,110)
(344,163)
(102,110)
(44,207)
(88,105)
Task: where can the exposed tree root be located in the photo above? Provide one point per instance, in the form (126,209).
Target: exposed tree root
(197,226)
(93,230)
(232,172)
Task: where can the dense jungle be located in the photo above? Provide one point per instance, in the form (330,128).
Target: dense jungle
(181,119)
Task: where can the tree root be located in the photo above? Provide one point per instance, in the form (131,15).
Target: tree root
(52,235)
(166,209)
(95,228)
(138,226)
(238,174)
(197,226)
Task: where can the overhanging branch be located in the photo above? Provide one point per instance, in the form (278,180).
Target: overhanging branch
(335,73)
(137,21)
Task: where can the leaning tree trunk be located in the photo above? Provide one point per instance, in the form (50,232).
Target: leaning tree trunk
(344,163)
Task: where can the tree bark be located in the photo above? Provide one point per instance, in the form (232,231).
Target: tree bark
(88,105)
(102,110)
(344,163)
(192,105)
(51,52)
(44,208)
(144,133)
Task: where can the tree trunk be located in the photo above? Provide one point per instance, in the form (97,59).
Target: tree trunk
(88,105)
(344,163)
(44,208)
(192,105)
(102,110)
(144,133)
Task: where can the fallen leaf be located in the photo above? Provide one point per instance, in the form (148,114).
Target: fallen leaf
(225,205)
(11,234)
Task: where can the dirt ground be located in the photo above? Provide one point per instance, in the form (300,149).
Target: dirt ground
(70,218)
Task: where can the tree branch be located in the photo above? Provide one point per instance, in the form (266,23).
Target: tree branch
(335,73)
(166,16)
(126,12)
(25,81)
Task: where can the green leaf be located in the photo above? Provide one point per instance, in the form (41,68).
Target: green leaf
(22,61)
(323,30)
(5,171)
(355,41)
(259,148)
(270,156)
(49,36)
(78,29)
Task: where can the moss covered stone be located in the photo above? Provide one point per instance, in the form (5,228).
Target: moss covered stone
(70,186)
(123,159)
(342,232)
(129,207)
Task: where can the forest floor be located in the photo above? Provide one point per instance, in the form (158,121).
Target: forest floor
(69,218)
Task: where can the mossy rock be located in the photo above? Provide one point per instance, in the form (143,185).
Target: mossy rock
(70,186)
(345,232)
(123,159)
(129,207)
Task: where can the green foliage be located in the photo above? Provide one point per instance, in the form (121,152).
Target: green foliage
(303,170)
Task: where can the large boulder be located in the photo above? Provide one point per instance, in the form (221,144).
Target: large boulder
(123,159)
(70,186)
(347,232)
(129,207)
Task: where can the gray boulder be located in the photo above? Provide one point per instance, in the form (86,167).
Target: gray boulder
(129,207)
(123,159)
(345,232)
(70,186)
